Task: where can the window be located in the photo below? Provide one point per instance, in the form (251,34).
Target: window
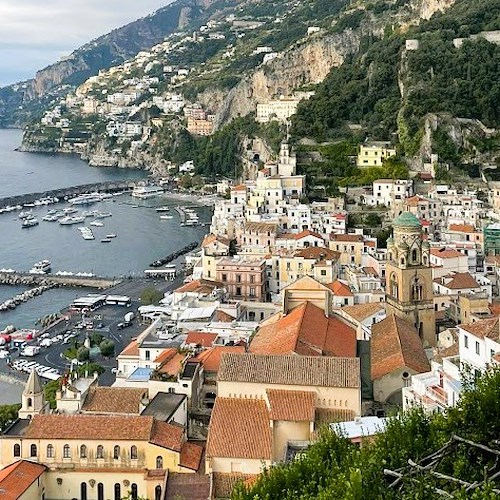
(238,278)
(66,451)
(417,289)
(29,402)
(466,341)
(17,450)
(50,451)
(159,462)
(116,452)
(133,452)
(33,450)
(158,492)
(252,278)
(238,291)
(477,347)
(148,355)
(323,272)
(83,491)
(118,491)
(100,491)
(134,491)
(100,451)
(83,451)
(224,277)
(252,292)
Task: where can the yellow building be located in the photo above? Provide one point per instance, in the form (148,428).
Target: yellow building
(278,401)
(373,154)
(351,247)
(100,456)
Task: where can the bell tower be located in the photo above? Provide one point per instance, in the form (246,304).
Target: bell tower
(33,401)
(409,277)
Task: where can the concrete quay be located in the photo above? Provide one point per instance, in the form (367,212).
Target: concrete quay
(69,192)
(28,279)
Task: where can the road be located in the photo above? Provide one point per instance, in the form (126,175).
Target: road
(109,316)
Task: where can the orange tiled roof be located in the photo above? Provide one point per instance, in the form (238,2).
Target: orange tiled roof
(239,187)
(484,328)
(210,358)
(204,339)
(294,406)
(240,428)
(198,286)
(165,355)
(318,253)
(16,478)
(340,289)
(224,482)
(302,234)
(306,331)
(352,238)
(167,435)
(459,281)
(322,371)
(131,350)
(114,400)
(191,454)
(462,228)
(446,253)
(395,344)
(173,365)
(359,312)
(211,238)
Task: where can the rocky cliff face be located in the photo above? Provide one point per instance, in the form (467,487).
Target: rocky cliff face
(308,63)
(428,8)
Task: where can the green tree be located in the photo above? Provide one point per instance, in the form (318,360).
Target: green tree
(8,413)
(107,347)
(82,354)
(151,295)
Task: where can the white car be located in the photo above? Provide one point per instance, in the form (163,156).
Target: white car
(4,353)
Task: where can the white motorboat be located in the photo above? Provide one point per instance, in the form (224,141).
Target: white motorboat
(41,267)
(30,222)
(112,235)
(162,209)
(96,223)
(145,192)
(25,214)
(66,221)
(166,217)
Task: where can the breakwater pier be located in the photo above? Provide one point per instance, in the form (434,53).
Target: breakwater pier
(73,281)
(69,192)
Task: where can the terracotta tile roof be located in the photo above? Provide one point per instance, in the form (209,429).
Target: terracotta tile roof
(462,228)
(181,486)
(318,253)
(223,316)
(360,312)
(294,406)
(458,281)
(191,454)
(495,308)
(302,234)
(200,286)
(174,365)
(89,427)
(165,355)
(321,371)
(395,344)
(260,227)
(484,328)
(210,358)
(16,478)
(493,259)
(352,238)
(114,400)
(452,350)
(306,331)
(240,428)
(224,483)
(446,253)
(203,339)
(212,238)
(189,287)
(167,435)
(413,201)
(340,289)
(131,350)
(239,187)
(324,416)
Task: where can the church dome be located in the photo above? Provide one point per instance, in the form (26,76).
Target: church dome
(407,219)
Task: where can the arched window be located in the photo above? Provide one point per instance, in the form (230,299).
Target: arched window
(134,491)
(83,491)
(29,402)
(17,450)
(417,289)
(100,451)
(414,255)
(158,492)
(50,451)
(33,450)
(83,451)
(100,491)
(402,261)
(133,452)
(66,451)
(118,492)
(159,462)
(394,285)
(116,452)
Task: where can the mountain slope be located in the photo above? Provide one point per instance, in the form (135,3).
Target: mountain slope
(21,101)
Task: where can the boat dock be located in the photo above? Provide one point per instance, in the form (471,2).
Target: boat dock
(69,192)
(169,258)
(72,281)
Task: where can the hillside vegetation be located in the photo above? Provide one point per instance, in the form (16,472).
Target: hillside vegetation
(334,468)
